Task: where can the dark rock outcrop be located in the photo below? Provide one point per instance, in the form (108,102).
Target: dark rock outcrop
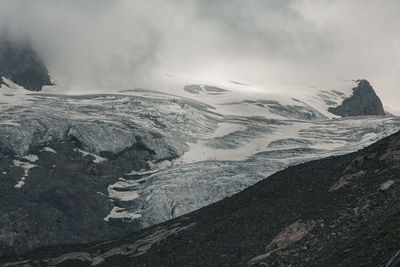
(363,102)
(20,64)
(338,211)
(60,196)
(2,82)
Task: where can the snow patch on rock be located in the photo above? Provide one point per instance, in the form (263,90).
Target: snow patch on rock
(49,149)
(97,159)
(31,157)
(121,213)
(26,167)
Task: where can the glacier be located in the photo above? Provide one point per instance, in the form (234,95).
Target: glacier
(198,147)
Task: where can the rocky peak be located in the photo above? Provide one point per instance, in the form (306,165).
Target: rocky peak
(20,64)
(363,101)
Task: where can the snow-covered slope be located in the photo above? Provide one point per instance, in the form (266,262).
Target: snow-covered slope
(143,156)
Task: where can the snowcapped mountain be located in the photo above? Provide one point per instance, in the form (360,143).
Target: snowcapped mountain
(83,167)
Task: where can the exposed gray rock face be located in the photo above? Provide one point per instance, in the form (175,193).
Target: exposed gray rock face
(364,101)
(20,64)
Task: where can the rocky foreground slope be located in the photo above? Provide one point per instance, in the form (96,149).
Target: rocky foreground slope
(337,211)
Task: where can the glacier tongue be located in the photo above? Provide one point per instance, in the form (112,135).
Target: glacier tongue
(216,172)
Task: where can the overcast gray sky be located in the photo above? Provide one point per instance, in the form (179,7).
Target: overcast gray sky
(121,43)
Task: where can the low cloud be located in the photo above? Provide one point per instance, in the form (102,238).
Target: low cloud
(125,43)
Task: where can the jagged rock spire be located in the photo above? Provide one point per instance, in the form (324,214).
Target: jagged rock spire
(364,101)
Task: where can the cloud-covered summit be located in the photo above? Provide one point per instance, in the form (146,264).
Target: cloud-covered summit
(127,43)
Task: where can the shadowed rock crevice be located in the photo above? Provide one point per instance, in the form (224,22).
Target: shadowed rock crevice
(363,102)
